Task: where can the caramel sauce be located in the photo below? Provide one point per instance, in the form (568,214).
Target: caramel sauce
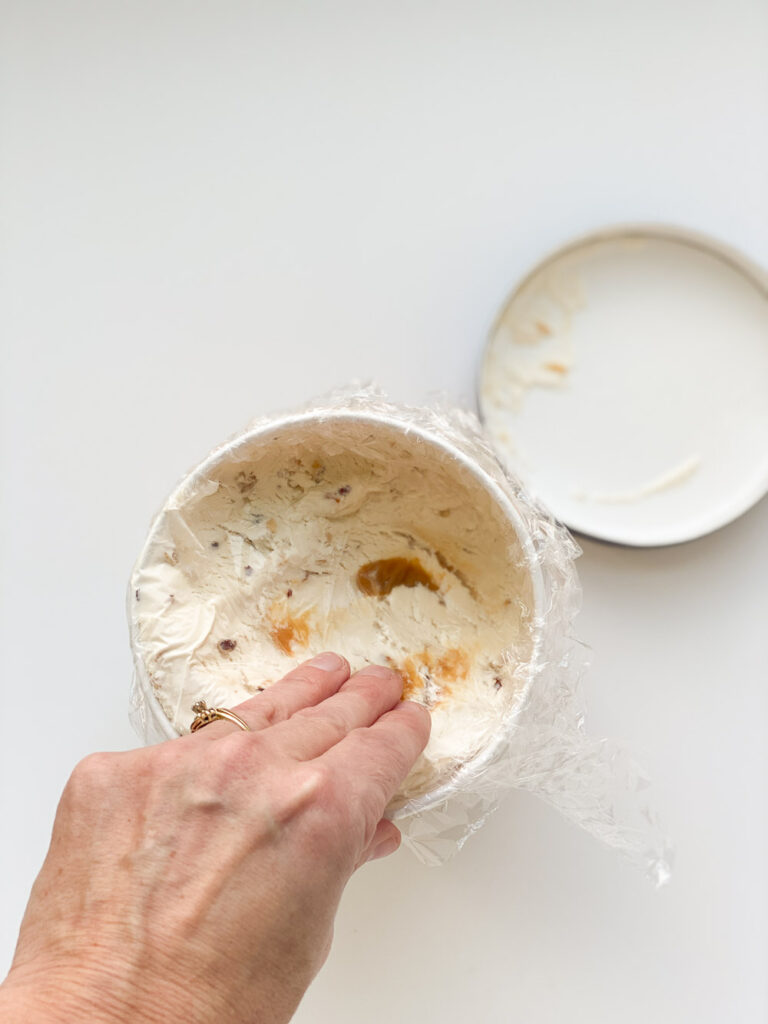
(453,665)
(449,667)
(413,683)
(288,630)
(377,579)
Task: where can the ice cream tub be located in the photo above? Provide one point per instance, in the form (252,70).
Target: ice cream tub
(394,536)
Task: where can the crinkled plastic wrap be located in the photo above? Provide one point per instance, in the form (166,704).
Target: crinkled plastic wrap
(538,740)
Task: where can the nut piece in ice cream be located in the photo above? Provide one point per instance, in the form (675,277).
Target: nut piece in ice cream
(346,534)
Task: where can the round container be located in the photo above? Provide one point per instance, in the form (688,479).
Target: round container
(625,382)
(375,434)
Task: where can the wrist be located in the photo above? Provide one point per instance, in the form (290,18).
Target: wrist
(43,992)
(99,989)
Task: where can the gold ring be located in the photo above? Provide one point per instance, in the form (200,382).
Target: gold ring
(205,715)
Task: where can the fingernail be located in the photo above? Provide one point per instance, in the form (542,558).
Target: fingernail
(377,670)
(327,662)
(385,849)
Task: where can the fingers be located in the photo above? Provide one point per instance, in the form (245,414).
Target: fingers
(386,839)
(369,693)
(376,760)
(305,686)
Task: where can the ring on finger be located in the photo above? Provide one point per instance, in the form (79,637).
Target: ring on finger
(205,715)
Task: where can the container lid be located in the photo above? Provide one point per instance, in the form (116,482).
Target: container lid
(625,382)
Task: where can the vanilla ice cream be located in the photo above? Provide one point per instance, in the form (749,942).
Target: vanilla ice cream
(349,534)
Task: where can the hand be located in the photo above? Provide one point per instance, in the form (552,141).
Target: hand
(197,880)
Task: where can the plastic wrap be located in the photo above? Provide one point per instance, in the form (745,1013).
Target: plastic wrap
(538,741)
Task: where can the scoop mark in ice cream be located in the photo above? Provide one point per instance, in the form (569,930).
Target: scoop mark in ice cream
(449,567)
(379,578)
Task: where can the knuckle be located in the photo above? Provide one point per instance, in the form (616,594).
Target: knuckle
(317,787)
(166,753)
(210,776)
(390,684)
(161,761)
(310,683)
(271,713)
(232,756)
(317,783)
(367,696)
(339,720)
(386,744)
(92,769)
(365,689)
(329,714)
(90,777)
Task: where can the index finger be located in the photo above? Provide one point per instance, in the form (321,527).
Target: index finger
(375,760)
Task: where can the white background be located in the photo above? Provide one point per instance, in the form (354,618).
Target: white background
(214,209)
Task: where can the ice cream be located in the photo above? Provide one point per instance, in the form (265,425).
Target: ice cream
(342,534)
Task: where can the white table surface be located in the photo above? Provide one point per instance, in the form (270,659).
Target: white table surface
(212,210)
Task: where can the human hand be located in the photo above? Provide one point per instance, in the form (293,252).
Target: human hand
(197,880)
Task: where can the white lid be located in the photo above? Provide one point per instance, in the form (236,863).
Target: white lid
(626,383)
